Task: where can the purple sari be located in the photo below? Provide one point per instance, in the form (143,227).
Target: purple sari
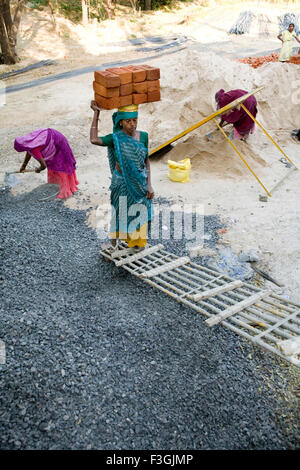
(54,148)
(242,123)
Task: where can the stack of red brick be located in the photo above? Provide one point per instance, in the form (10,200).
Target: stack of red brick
(256,62)
(123,86)
(295,59)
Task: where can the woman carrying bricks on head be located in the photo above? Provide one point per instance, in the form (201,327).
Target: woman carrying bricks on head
(287,43)
(53,152)
(243,125)
(131,190)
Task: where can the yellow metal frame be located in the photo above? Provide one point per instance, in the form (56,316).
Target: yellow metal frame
(268,135)
(242,158)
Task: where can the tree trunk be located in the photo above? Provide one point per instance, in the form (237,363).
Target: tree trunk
(9,30)
(52,12)
(84,8)
(7,53)
(5,7)
(17,20)
(109,8)
(147,4)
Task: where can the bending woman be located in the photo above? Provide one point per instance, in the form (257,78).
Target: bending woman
(53,152)
(287,43)
(131,190)
(243,125)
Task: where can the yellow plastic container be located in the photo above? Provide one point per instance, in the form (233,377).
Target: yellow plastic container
(180,171)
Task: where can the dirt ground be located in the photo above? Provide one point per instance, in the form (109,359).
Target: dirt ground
(220,182)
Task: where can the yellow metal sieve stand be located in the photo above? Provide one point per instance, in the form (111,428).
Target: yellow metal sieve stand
(242,158)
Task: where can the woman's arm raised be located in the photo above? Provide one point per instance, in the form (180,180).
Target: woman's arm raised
(94,139)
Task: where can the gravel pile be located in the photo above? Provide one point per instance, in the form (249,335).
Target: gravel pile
(96,359)
(243,23)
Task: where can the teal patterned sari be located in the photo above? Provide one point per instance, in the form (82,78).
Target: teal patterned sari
(132,209)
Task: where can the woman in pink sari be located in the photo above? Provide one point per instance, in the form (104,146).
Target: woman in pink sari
(243,125)
(53,152)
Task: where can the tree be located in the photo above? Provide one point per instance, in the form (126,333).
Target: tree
(85,8)
(9,25)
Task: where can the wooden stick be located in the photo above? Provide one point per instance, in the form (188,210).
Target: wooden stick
(165,267)
(118,253)
(215,291)
(14,172)
(279,323)
(261,343)
(236,308)
(265,275)
(140,254)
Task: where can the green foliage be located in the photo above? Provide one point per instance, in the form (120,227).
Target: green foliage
(156,4)
(72,8)
(97,10)
(39,3)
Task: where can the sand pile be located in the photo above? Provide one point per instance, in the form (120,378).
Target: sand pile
(215,159)
(189,83)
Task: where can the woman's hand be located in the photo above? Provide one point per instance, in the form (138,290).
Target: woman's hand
(150,193)
(38,170)
(118,168)
(23,168)
(94,106)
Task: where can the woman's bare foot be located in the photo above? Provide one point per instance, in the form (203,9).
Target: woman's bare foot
(110,247)
(139,248)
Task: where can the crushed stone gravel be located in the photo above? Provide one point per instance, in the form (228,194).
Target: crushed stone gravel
(96,359)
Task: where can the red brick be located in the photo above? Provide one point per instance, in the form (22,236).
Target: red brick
(107,79)
(153,96)
(295,59)
(140,87)
(106,92)
(125,100)
(107,103)
(126,89)
(139,98)
(153,85)
(124,74)
(153,73)
(138,74)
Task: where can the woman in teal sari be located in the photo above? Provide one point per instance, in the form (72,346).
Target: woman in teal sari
(131,190)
